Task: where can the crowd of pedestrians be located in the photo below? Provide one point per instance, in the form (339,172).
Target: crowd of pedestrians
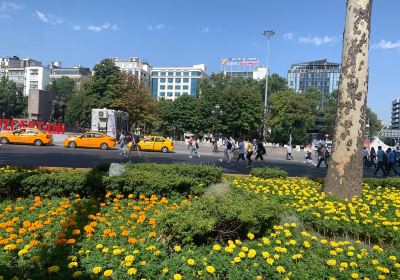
(386,160)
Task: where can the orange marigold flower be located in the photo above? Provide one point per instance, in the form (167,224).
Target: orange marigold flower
(125,233)
(9,229)
(152,234)
(132,240)
(107,231)
(26,223)
(71,241)
(76,232)
(88,229)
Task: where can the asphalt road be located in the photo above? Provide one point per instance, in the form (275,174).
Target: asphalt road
(59,156)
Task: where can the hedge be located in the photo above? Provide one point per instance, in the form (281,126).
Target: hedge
(391,182)
(268,173)
(160,179)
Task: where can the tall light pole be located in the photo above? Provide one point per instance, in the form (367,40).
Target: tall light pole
(268,34)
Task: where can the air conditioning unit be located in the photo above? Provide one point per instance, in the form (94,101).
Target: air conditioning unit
(103,114)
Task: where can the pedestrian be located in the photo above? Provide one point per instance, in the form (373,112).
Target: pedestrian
(121,143)
(308,158)
(380,155)
(234,147)
(190,146)
(372,156)
(254,145)
(241,149)
(322,154)
(249,151)
(365,157)
(261,151)
(135,146)
(195,148)
(392,161)
(289,151)
(227,149)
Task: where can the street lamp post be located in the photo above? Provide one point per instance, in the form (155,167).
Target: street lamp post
(268,34)
(217,112)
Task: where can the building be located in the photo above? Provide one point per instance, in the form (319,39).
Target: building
(77,73)
(36,77)
(39,104)
(256,74)
(396,114)
(135,66)
(172,82)
(319,74)
(14,68)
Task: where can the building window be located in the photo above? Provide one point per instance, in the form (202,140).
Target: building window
(162,93)
(185,73)
(170,87)
(155,87)
(178,73)
(34,72)
(177,93)
(185,87)
(163,73)
(162,80)
(170,73)
(170,80)
(155,73)
(169,93)
(162,86)
(177,87)
(177,80)
(196,74)
(193,87)
(186,80)
(33,84)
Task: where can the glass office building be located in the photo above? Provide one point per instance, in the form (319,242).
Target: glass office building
(172,82)
(319,74)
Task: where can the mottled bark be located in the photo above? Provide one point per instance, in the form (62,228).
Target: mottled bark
(345,171)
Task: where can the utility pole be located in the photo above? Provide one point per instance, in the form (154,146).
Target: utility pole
(268,34)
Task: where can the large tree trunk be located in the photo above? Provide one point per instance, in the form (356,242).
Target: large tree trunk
(344,179)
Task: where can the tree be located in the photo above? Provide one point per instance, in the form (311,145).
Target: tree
(375,124)
(12,101)
(291,111)
(344,176)
(106,75)
(132,96)
(62,87)
(275,83)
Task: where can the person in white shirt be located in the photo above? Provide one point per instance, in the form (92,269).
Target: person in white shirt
(289,151)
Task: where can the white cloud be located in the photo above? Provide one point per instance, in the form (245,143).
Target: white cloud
(114,27)
(105,25)
(205,30)
(6,7)
(288,36)
(156,27)
(76,27)
(318,41)
(41,16)
(48,18)
(94,28)
(387,45)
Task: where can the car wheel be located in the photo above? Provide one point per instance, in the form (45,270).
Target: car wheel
(103,146)
(3,140)
(38,142)
(164,149)
(72,144)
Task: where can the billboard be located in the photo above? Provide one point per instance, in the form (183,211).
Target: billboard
(240,61)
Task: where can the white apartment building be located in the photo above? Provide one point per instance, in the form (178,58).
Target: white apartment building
(135,66)
(172,82)
(258,73)
(36,78)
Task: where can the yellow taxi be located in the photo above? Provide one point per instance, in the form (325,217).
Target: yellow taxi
(90,140)
(156,143)
(33,136)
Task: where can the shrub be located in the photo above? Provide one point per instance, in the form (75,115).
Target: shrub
(268,173)
(210,219)
(393,182)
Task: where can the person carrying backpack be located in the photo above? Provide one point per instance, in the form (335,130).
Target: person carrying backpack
(322,154)
(261,151)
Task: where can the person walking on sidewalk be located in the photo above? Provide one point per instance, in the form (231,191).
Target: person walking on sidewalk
(261,151)
(365,157)
(381,165)
(372,156)
(322,152)
(227,150)
(289,151)
(392,161)
(241,150)
(249,151)
(121,143)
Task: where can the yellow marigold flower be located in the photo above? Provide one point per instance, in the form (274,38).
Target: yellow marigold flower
(266,241)
(177,248)
(237,259)
(190,261)
(270,261)
(293,225)
(252,253)
(331,262)
(105,250)
(354,275)
(238,242)
(177,276)
(392,258)
(375,262)
(323,241)
(97,270)
(117,252)
(292,242)
(216,247)
(306,244)
(242,255)
(259,277)
(265,255)
(132,271)
(381,277)
(77,274)
(53,269)
(108,273)
(250,236)
(165,270)
(280,269)
(22,252)
(72,265)
(99,246)
(129,258)
(344,264)
(210,269)
(228,249)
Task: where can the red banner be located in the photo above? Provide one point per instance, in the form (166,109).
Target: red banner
(54,128)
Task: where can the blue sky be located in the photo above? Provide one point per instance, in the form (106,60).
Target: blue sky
(183,33)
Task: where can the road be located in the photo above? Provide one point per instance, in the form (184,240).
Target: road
(59,156)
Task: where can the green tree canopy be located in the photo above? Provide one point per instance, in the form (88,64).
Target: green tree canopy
(12,101)
(106,75)
(63,87)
